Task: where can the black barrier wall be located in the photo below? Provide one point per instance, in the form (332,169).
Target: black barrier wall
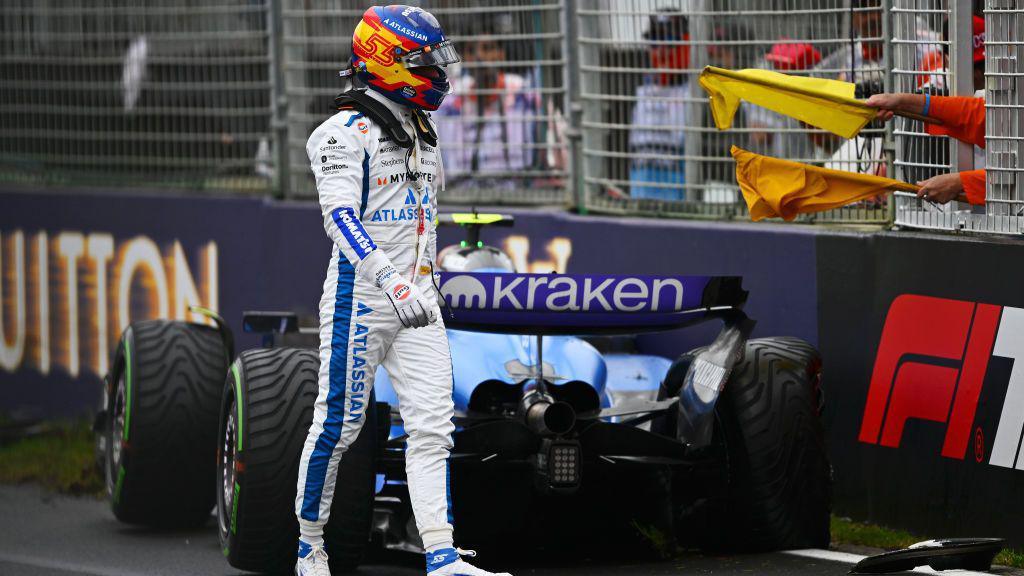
(77,267)
(920,334)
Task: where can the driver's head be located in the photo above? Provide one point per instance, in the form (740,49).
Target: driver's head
(400,51)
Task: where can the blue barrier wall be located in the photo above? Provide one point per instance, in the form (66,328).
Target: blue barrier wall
(919,333)
(238,254)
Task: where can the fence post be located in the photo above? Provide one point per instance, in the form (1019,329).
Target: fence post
(696,110)
(962,67)
(1004,129)
(278,102)
(572,105)
(889,141)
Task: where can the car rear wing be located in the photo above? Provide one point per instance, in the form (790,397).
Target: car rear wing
(584,303)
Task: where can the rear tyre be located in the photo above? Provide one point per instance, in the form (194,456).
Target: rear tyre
(777,492)
(161,424)
(266,412)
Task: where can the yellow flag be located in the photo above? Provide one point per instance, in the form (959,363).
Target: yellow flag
(825,104)
(775,188)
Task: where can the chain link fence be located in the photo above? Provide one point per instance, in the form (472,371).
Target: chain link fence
(589,103)
(142,92)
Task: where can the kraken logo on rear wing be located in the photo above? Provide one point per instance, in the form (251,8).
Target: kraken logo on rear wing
(584,303)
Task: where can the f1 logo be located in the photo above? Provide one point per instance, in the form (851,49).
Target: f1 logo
(931,365)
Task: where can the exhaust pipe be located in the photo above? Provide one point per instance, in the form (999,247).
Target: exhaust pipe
(545,416)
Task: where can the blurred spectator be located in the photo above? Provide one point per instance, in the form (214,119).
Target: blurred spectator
(734,46)
(962,118)
(489,124)
(860,61)
(977,48)
(659,115)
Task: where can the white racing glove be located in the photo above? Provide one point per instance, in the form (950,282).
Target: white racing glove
(414,309)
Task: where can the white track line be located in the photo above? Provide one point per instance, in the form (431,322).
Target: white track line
(73,567)
(847,558)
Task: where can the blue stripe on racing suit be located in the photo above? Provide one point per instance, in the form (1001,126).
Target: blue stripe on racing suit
(316,471)
(448,488)
(353,231)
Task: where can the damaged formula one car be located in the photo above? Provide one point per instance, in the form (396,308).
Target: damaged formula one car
(565,435)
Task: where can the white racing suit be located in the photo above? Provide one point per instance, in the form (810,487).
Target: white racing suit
(371,201)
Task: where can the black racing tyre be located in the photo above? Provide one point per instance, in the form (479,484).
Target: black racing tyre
(261,440)
(777,468)
(161,424)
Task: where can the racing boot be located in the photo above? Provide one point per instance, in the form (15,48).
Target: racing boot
(447,562)
(312,561)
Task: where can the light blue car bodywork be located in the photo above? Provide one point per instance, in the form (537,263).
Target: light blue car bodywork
(478,357)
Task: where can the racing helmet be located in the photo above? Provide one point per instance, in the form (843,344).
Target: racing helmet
(399,52)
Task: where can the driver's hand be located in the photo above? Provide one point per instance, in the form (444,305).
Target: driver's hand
(413,307)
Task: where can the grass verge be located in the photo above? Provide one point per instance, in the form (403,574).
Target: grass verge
(846,531)
(60,459)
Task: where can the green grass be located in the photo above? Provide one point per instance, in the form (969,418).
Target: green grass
(846,531)
(60,460)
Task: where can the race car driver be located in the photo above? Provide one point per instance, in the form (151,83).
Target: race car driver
(377,180)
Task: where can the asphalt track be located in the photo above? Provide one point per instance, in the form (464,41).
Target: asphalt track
(46,535)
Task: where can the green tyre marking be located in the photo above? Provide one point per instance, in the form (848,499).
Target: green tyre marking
(119,485)
(234,509)
(127,383)
(203,311)
(238,405)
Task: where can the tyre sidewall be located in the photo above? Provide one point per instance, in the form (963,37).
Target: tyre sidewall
(228,520)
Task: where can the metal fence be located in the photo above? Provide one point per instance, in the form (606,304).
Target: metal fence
(1004,112)
(141,92)
(921,64)
(649,143)
(502,131)
(591,103)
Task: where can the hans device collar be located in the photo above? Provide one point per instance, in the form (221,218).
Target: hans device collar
(379,113)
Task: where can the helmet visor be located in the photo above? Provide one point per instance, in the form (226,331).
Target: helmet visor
(440,54)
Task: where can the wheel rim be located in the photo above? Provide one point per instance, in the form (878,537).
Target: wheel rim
(227,470)
(115,446)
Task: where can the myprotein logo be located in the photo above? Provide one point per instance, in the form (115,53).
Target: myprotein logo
(931,365)
(559,293)
(403,177)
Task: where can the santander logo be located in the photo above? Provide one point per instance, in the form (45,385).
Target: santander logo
(931,365)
